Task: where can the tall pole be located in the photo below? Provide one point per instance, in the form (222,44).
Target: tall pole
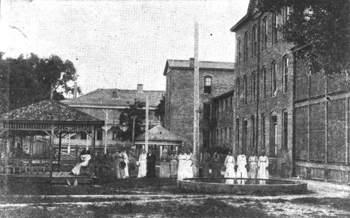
(147,124)
(196,101)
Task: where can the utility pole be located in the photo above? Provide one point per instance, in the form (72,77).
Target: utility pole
(196,102)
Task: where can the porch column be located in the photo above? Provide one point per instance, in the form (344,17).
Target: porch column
(93,150)
(52,133)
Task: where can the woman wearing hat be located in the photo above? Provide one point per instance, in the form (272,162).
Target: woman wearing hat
(142,164)
(164,171)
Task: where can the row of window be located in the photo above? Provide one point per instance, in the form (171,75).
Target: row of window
(223,135)
(273,130)
(242,88)
(264,36)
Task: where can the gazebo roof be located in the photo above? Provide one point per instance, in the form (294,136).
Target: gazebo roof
(49,111)
(160,134)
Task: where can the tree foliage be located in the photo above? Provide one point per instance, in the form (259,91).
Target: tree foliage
(160,110)
(27,80)
(322,24)
(127,117)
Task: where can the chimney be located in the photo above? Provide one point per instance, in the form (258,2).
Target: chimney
(191,62)
(139,88)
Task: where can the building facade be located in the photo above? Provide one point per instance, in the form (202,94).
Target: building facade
(215,78)
(263,106)
(107,105)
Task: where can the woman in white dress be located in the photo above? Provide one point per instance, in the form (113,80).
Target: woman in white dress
(142,164)
(189,163)
(181,171)
(230,168)
(263,173)
(85,158)
(253,167)
(126,160)
(241,170)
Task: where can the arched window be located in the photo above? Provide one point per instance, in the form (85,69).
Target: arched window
(263,132)
(237,133)
(238,87)
(239,51)
(274,28)
(245,136)
(245,89)
(245,55)
(207,84)
(253,134)
(253,86)
(273,133)
(273,79)
(285,74)
(264,74)
(285,130)
(254,40)
(265,33)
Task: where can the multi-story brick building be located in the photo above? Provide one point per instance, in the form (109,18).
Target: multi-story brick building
(264,86)
(321,125)
(215,79)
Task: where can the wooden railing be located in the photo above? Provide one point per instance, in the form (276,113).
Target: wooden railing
(26,166)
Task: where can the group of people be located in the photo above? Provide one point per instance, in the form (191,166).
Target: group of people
(257,167)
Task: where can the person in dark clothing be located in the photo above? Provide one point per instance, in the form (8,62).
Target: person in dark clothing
(151,164)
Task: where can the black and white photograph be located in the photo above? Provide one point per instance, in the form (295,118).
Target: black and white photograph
(174,108)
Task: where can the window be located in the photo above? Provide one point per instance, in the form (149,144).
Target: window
(274,27)
(253,134)
(115,94)
(83,136)
(273,79)
(245,51)
(217,137)
(263,132)
(237,133)
(265,33)
(285,74)
(286,14)
(254,41)
(273,134)
(245,90)
(253,86)
(264,72)
(239,51)
(285,130)
(207,84)
(238,87)
(245,136)
(115,135)
(99,134)
(206,111)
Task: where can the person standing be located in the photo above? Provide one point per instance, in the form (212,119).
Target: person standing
(151,164)
(189,164)
(173,164)
(241,170)
(253,167)
(263,173)
(216,165)
(206,165)
(230,168)
(126,160)
(142,164)
(182,166)
(164,171)
(132,164)
(118,158)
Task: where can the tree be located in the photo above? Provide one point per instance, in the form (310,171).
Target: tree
(27,80)
(127,117)
(160,110)
(322,24)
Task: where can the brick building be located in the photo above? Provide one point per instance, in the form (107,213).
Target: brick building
(321,127)
(264,86)
(216,78)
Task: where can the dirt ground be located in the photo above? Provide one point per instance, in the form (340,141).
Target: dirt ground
(161,198)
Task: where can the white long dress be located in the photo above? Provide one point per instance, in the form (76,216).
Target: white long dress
(85,158)
(263,173)
(181,171)
(126,169)
(241,170)
(230,169)
(189,170)
(143,166)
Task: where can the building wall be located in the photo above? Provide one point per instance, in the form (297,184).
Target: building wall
(321,125)
(252,106)
(179,99)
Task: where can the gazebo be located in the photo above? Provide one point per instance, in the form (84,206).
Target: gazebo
(159,138)
(49,118)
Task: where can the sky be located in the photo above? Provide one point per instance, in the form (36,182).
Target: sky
(119,44)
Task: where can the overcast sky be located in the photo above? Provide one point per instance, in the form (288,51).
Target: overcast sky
(120,43)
